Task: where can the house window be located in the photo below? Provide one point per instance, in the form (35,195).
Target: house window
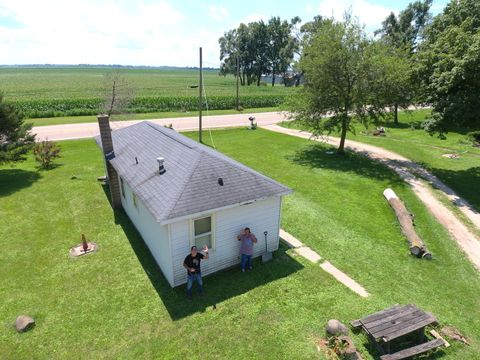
(135,200)
(122,187)
(202,232)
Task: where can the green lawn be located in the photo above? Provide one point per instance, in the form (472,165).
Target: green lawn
(157,115)
(116,304)
(409,140)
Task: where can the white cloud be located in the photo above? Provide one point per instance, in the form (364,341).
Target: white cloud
(218,13)
(369,14)
(96,32)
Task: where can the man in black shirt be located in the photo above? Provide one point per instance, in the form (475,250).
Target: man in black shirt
(192,264)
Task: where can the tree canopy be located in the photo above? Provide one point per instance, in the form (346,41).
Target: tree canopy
(15,137)
(405,31)
(260,48)
(449,66)
(340,68)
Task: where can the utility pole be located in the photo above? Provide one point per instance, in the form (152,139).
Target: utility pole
(238,78)
(200,100)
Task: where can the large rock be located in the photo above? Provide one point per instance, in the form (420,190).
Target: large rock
(24,323)
(335,328)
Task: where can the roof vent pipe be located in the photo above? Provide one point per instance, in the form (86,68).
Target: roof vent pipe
(161,167)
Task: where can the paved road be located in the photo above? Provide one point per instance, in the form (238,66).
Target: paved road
(87,130)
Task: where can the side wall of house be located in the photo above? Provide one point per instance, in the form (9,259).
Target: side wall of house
(154,235)
(259,216)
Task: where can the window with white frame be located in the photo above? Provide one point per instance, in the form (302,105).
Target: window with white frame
(202,232)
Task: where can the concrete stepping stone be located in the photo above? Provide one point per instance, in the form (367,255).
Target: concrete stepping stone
(344,279)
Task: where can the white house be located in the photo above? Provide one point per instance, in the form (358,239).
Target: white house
(178,193)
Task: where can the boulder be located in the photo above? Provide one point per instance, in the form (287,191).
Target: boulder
(24,323)
(335,328)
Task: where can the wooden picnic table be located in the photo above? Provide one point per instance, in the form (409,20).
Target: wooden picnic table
(384,326)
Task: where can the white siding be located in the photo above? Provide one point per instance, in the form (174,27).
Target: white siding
(154,235)
(258,216)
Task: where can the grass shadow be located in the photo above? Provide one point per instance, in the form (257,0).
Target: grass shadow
(320,156)
(50,167)
(465,182)
(218,287)
(12,180)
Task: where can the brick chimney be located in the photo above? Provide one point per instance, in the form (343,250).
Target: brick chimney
(107,146)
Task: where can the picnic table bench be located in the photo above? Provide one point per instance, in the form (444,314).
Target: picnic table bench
(387,325)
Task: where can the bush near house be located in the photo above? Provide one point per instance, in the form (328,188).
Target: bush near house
(45,153)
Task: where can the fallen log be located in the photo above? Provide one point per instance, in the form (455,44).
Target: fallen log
(405,218)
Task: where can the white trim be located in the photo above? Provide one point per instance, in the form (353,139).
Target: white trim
(210,211)
(279,219)
(211,233)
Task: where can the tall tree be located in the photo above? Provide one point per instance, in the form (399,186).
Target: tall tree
(405,31)
(450,66)
(338,74)
(15,136)
(260,42)
(282,45)
(393,82)
(402,34)
(261,48)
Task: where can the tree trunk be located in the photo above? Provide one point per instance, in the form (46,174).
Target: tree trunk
(259,77)
(395,114)
(343,135)
(273,78)
(417,247)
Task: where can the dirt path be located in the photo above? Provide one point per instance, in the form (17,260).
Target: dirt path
(410,172)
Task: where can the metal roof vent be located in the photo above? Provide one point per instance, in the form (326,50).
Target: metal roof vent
(161,167)
(220,181)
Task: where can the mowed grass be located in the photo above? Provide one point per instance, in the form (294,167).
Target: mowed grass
(89,82)
(408,139)
(157,115)
(116,304)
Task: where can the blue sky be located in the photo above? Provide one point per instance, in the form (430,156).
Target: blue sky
(151,32)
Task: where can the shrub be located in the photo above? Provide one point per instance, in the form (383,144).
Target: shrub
(474,137)
(45,152)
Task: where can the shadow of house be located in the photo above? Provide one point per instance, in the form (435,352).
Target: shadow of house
(315,156)
(12,180)
(218,287)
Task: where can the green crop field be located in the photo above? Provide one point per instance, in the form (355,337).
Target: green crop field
(71,91)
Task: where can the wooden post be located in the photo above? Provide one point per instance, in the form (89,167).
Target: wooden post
(417,247)
(238,79)
(200,99)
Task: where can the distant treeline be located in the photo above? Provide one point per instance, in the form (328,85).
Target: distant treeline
(103,66)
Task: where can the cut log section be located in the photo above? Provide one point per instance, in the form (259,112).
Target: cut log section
(405,218)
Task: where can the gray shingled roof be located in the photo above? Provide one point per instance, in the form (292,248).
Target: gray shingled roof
(190,183)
